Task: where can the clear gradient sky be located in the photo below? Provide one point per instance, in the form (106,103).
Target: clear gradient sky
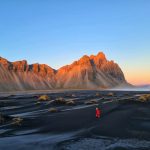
(57,32)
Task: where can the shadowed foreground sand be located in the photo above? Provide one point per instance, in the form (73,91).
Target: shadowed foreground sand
(125,122)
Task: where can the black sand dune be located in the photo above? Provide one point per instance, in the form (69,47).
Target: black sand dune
(123,119)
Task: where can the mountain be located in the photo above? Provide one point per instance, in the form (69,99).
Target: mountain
(89,72)
(21,76)
(143,87)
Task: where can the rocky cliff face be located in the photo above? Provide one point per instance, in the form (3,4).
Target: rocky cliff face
(88,72)
(21,76)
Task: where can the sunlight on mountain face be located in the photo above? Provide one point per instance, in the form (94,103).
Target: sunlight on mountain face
(89,72)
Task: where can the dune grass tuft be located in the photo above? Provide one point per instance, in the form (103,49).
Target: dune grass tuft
(70,102)
(53,110)
(44,98)
(17,121)
(60,100)
(91,102)
(144,98)
(97,94)
(110,94)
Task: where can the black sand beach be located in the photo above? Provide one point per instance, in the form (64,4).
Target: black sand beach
(27,123)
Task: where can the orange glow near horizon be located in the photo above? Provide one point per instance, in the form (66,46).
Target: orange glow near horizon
(138,77)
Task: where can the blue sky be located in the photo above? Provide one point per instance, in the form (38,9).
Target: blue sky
(57,32)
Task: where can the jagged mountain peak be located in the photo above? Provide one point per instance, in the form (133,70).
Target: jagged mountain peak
(101,55)
(3,60)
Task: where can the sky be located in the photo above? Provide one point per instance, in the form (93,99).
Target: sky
(57,32)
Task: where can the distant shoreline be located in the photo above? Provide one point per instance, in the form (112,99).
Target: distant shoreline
(65,90)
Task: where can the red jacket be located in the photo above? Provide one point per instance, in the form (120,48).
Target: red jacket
(98,112)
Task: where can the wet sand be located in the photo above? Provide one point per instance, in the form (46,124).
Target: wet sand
(123,119)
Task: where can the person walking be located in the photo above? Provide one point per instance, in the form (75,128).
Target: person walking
(98,112)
